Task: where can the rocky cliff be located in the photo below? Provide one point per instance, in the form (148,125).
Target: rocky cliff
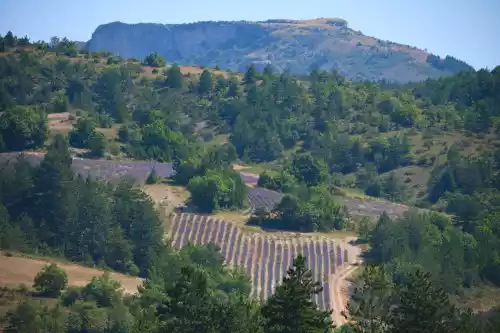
(298,46)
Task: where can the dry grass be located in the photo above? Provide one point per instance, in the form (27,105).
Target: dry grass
(110,133)
(167,198)
(59,123)
(185,70)
(18,270)
(479,299)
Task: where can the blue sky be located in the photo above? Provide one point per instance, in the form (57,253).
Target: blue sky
(466,29)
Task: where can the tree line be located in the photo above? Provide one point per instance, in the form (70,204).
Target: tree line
(49,210)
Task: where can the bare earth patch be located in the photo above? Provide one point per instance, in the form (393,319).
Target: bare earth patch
(167,199)
(22,270)
(60,122)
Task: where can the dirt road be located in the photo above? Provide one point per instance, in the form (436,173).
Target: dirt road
(340,293)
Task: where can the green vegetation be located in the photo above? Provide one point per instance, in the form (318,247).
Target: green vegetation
(217,189)
(210,179)
(152,177)
(417,305)
(153,59)
(51,281)
(290,309)
(22,128)
(320,133)
(49,210)
(190,291)
(321,130)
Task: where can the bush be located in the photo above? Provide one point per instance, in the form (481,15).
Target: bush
(154,60)
(51,280)
(72,295)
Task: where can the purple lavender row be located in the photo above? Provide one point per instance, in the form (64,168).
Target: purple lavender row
(250,253)
(180,233)
(265,283)
(277,266)
(232,244)
(257,270)
(226,240)
(175,227)
(319,274)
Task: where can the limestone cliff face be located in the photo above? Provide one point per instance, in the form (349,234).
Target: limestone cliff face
(298,46)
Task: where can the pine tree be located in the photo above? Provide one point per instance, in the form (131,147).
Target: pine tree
(53,207)
(174,77)
(423,308)
(152,178)
(370,301)
(394,189)
(250,75)
(205,85)
(291,309)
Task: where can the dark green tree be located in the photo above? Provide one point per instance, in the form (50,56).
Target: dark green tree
(250,75)
(33,317)
(23,128)
(97,144)
(154,59)
(308,169)
(9,39)
(205,85)
(423,308)
(51,281)
(152,177)
(174,77)
(291,308)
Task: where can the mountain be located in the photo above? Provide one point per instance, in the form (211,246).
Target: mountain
(298,46)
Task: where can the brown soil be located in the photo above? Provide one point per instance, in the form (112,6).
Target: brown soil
(339,294)
(60,122)
(18,270)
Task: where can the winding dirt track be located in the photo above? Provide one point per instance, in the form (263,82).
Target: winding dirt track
(339,294)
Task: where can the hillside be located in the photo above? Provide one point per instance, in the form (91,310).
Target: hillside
(314,140)
(285,44)
(18,270)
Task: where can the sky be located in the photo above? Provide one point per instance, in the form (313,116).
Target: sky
(465,29)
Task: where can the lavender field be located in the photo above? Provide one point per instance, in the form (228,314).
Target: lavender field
(139,171)
(258,197)
(265,257)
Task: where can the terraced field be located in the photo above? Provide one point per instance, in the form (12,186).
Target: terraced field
(265,257)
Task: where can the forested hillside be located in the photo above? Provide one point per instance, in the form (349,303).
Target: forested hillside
(294,45)
(432,144)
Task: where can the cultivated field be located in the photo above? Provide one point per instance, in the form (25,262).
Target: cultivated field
(258,197)
(267,256)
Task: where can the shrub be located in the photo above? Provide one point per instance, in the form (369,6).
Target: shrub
(154,60)
(72,295)
(51,280)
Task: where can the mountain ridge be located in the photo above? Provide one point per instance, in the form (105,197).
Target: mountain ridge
(295,45)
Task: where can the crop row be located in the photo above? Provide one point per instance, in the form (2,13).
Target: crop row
(265,259)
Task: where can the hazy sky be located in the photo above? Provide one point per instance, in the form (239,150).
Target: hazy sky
(466,29)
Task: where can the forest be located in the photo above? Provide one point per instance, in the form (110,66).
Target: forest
(313,135)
